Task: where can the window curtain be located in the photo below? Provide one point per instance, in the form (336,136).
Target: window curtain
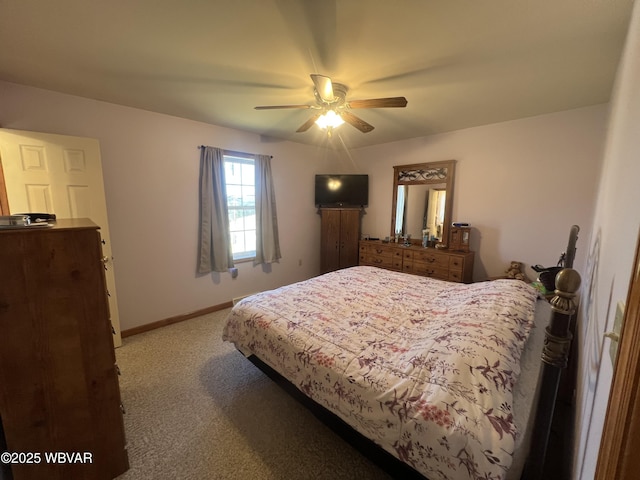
(267,243)
(214,249)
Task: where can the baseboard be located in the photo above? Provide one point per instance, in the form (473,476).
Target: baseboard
(178,318)
(237,299)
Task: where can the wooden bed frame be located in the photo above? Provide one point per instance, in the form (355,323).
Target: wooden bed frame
(555,356)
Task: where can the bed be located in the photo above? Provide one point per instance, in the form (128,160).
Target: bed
(441,376)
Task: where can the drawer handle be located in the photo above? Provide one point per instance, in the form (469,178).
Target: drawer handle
(377,260)
(122,409)
(378,250)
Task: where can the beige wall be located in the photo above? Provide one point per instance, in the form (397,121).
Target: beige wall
(611,249)
(151,171)
(507,176)
(521,184)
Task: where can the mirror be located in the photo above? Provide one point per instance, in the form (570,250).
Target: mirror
(422,201)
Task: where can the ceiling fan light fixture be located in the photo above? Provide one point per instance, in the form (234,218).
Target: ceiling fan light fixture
(332,110)
(329,119)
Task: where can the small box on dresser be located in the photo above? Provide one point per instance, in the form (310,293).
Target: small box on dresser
(459,239)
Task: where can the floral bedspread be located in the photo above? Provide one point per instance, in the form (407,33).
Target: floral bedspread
(424,368)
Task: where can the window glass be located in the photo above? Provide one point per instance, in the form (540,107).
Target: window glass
(241,203)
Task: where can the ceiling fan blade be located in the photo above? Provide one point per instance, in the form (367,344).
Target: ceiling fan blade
(272,107)
(357,122)
(324,87)
(307,125)
(379,103)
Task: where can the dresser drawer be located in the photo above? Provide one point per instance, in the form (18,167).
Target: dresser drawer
(427,270)
(455,276)
(382,261)
(456,263)
(383,256)
(378,250)
(433,258)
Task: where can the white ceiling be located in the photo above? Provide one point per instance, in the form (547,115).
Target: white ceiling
(459,63)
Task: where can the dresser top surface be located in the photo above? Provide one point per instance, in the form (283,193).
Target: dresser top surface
(57,225)
(413,247)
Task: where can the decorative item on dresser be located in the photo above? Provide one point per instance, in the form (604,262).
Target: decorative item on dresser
(442,264)
(59,387)
(340,233)
(459,239)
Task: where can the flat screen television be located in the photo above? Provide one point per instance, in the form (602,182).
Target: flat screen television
(342,190)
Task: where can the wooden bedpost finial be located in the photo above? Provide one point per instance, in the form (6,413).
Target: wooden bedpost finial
(567,284)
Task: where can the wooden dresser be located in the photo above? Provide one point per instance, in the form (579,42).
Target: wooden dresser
(429,262)
(59,387)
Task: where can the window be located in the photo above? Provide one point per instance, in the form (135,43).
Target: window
(241,204)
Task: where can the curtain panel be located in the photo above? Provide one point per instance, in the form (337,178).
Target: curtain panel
(267,242)
(214,249)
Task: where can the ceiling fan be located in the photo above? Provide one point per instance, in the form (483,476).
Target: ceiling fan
(331,101)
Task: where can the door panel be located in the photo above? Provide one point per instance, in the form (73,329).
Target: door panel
(349,238)
(59,174)
(330,240)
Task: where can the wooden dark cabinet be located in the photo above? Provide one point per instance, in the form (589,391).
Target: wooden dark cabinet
(340,234)
(59,387)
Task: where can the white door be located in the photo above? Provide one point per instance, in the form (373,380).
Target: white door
(46,173)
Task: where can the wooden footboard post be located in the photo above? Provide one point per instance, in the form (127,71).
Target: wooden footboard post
(555,355)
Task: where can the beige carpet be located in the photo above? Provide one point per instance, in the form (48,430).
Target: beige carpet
(197,409)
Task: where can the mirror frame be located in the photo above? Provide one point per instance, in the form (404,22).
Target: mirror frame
(432,173)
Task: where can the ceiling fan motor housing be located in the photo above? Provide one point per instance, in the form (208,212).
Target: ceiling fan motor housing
(339,95)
